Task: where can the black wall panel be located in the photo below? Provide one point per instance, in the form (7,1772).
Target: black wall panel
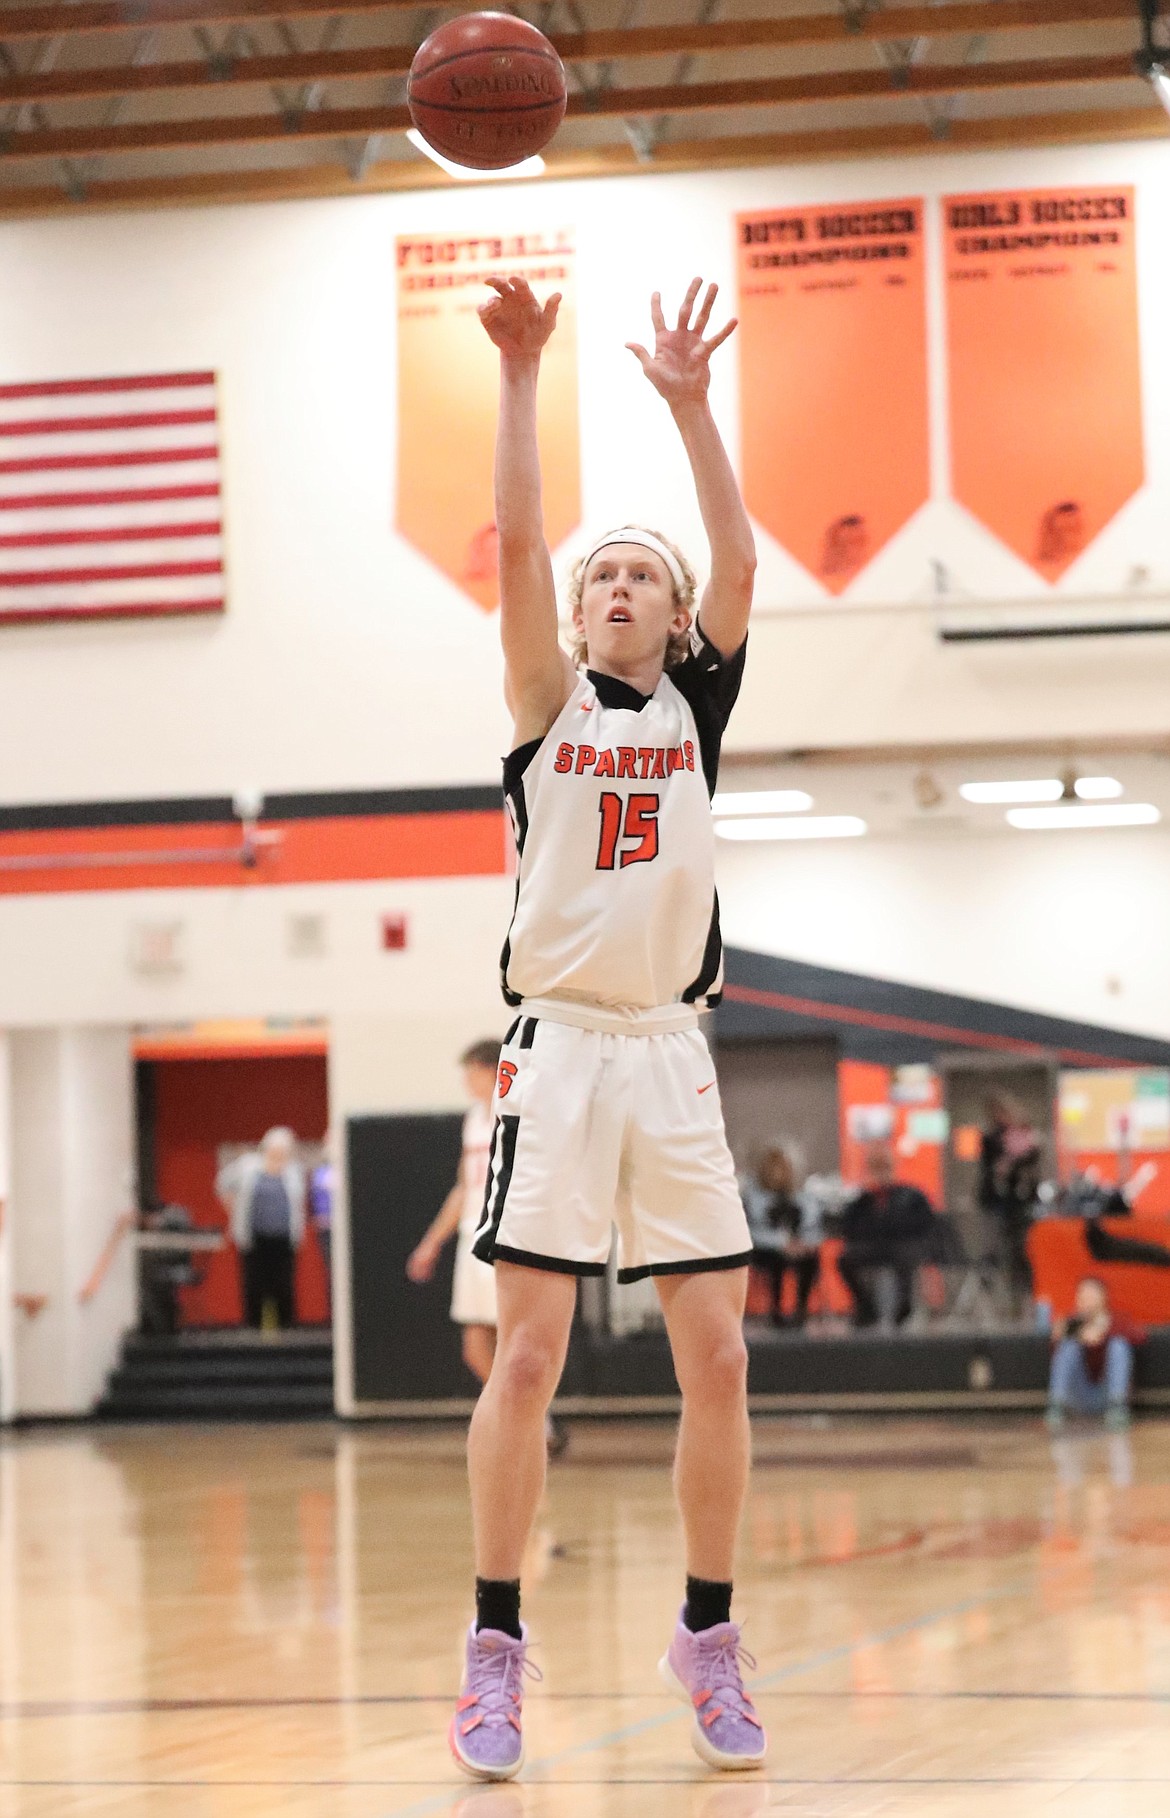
(400,1171)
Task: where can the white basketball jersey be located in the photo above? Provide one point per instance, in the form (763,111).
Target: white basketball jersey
(477,1143)
(615,892)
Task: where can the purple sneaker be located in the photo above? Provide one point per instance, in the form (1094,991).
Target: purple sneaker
(485,1735)
(703,1670)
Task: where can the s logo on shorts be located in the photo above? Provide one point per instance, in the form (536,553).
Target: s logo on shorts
(505,1077)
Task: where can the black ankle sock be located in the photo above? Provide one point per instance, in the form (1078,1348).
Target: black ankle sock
(708,1602)
(497,1605)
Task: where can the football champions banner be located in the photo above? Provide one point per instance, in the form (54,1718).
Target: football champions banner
(1043,365)
(448,399)
(833,379)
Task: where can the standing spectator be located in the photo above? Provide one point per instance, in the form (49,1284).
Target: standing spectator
(885,1227)
(784,1230)
(264,1191)
(322,1191)
(1092,1364)
(1010,1160)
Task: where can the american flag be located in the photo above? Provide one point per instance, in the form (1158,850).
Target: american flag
(110,498)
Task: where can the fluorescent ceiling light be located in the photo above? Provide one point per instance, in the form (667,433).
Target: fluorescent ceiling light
(812,827)
(528,167)
(1160,77)
(1098,788)
(763,801)
(1042,789)
(1116,814)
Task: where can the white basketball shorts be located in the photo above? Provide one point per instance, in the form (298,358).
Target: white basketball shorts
(594,1129)
(473,1286)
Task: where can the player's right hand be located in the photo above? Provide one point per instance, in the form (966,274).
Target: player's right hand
(515,320)
(420,1264)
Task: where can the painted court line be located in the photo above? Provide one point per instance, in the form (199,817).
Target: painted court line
(186,1707)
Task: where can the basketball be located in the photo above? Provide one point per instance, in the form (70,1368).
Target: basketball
(486,90)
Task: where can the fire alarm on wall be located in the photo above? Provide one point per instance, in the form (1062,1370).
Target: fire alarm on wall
(394,933)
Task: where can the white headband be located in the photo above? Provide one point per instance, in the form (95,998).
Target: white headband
(641,539)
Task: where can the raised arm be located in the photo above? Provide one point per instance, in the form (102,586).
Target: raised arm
(679,370)
(538,676)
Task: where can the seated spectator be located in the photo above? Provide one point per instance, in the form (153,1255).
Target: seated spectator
(785,1231)
(1092,1364)
(885,1227)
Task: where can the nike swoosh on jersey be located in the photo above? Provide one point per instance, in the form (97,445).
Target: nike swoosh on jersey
(701,1089)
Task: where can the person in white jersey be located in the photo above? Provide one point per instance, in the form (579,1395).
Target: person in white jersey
(606,1103)
(473,1290)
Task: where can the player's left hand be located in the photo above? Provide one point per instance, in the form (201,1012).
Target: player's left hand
(680,366)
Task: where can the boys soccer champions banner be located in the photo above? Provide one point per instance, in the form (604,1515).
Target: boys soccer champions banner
(833,379)
(1043,365)
(448,399)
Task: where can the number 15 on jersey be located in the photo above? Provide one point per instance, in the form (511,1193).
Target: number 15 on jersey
(629,830)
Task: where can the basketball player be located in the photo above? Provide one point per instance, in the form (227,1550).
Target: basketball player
(606,1104)
(473,1294)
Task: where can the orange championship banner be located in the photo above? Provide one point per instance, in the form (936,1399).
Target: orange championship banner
(448,398)
(1044,365)
(833,382)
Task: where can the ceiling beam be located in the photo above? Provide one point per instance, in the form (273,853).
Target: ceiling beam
(852,85)
(597,104)
(372,61)
(89,17)
(212,188)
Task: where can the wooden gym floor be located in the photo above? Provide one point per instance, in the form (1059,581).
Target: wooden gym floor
(950,1620)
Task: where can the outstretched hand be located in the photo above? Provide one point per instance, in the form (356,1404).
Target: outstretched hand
(515,320)
(680,366)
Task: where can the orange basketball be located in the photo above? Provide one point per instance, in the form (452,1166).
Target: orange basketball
(486,90)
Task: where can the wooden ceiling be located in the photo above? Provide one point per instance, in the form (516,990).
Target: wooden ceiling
(136,103)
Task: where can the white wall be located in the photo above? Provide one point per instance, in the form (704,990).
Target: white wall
(344,659)
(1072,924)
(69,957)
(72,1177)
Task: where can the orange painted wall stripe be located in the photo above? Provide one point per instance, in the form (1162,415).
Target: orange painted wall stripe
(342,849)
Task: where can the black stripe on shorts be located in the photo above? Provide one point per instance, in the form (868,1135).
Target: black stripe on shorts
(552,1265)
(699,1265)
(499,1180)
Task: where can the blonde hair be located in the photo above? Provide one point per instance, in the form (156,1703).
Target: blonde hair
(678,642)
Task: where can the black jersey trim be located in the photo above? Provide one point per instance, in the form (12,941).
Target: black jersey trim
(611,691)
(700,1265)
(528,1032)
(709,682)
(515,765)
(517,762)
(552,1265)
(712,966)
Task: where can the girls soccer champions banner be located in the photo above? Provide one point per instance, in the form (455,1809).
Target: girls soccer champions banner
(833,379)
(1043,365)
(448,399)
